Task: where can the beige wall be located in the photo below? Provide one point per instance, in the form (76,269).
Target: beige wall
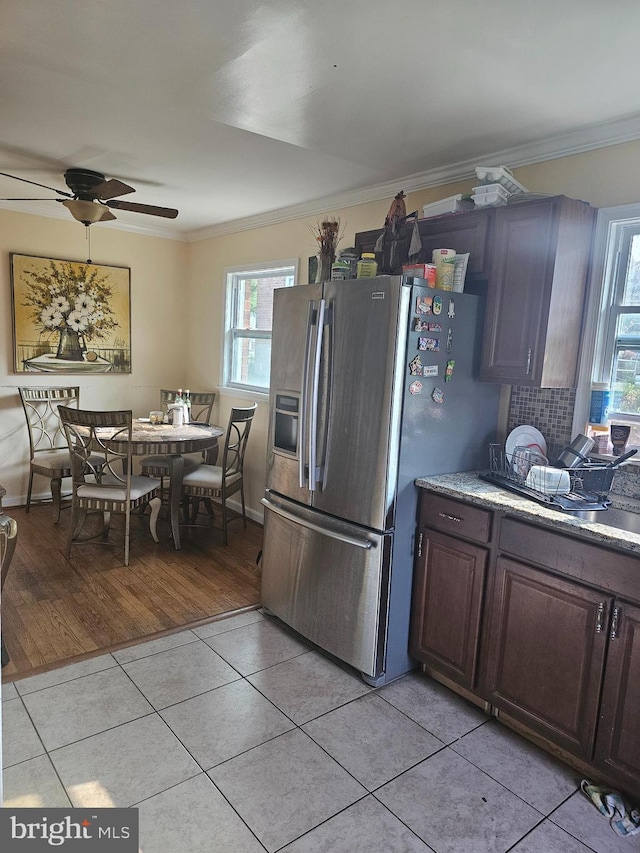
(178,294)
(158,328)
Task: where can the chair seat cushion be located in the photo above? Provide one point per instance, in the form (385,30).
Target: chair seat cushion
(159,465)
(113,490)
(52,463)
(208,477)
(57,463)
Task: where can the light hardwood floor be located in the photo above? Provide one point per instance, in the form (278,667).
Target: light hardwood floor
(56,611)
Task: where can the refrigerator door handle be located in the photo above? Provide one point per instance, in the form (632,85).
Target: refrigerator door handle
(342,537)
(304,398)
(313,421)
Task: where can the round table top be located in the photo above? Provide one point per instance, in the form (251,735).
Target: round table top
(148,438)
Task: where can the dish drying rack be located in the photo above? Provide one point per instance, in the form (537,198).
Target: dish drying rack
(589,483)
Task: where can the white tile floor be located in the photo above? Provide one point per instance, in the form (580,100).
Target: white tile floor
(237,738)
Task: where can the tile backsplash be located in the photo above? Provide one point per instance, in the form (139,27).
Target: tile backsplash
(548,409)
(551,411)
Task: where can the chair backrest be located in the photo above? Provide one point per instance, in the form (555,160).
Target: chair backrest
(235,443)
(8,538)
(201,403)
(106,434)
(40,406)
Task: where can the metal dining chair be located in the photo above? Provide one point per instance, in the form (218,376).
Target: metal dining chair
(201,407)
(8,538)
(109,434)
(221,481)
(49,454)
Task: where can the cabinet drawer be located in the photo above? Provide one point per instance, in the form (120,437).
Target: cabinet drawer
(460,519)
(614,572)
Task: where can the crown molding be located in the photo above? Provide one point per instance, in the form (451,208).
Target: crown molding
(551,148)
(52,211)
(561,145)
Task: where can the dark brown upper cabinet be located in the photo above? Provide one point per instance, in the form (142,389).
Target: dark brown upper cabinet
(537,281)
(532,259)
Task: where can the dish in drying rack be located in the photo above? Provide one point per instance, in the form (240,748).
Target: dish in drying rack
(525,436)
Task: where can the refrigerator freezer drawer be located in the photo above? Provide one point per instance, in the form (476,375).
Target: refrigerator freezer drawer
(328,580)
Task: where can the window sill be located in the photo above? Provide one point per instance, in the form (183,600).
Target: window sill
(241,394)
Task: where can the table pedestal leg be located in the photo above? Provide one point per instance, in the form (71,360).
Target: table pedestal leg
(176,471)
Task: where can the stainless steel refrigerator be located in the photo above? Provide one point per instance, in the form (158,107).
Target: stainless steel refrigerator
(372,385)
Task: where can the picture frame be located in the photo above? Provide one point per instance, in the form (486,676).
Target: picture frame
(70,316)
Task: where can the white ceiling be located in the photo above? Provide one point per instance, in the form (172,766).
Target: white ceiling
(246,110)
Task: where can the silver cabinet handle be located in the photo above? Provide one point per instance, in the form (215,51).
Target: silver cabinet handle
(332,534)
(614,623)
(450,517)
(529,352)
(600,617)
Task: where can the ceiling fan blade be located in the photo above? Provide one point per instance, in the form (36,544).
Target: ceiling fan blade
(29,199)
(36,184)
(111,189)
(152,210)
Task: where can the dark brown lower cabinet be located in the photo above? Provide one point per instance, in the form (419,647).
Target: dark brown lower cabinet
(545,653)
(533,622)
(618,740)
(449,583)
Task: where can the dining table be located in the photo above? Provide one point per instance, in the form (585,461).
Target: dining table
(150,439)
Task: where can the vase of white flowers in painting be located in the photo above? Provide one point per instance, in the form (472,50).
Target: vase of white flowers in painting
(70,302)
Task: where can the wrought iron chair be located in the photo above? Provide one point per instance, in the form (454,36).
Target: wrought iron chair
(8,537)
(221,481)
(49,453)
(201,407)
(108,433)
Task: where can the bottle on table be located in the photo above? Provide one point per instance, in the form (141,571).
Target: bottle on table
(187,404)
(177,409)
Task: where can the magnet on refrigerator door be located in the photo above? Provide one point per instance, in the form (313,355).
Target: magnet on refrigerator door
(437,395)
(424,303)
(449,339)
(431,370)
(452,310)
(448,373)
(436,306)
(430,344)
(415,366)
(415,387)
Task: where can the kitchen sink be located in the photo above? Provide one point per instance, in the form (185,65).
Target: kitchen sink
(623,519)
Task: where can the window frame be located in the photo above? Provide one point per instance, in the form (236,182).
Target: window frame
(615,227)
(231,333)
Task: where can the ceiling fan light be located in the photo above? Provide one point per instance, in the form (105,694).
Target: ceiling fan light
(87,212)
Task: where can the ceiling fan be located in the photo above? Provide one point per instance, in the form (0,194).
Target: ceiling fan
(92,196)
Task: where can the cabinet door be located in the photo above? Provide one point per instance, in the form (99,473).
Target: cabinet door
(545,655)
(618,741)
(520,277)
(447,602)
(464,232)
(537,283)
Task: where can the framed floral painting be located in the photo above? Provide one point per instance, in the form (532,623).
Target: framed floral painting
(69,316)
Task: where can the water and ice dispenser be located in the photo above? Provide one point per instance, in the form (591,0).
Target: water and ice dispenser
(286,423)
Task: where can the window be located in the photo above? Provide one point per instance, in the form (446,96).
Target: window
(249,314)
(617,352)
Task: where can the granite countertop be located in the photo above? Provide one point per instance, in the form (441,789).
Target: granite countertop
(467,486)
